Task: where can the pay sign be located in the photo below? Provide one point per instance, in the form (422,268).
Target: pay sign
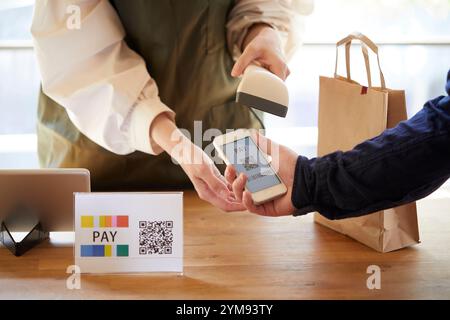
(129,232)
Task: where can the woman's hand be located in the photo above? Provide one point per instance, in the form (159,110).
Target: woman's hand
(206,178)
(209,183)
(262,45)
(285,160)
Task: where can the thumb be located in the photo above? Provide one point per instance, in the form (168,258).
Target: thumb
(244,60)
(270,148)
(265,144)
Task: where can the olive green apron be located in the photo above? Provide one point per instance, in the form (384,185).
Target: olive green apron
(184,46)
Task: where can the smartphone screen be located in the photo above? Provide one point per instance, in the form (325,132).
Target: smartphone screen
(247,158)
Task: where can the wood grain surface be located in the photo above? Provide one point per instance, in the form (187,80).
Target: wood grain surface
(243,256)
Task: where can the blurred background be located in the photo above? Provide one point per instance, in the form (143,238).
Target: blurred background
(413,36)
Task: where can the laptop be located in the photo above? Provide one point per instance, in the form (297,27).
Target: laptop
(47,192)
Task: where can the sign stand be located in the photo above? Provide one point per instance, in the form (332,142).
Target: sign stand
(22,219)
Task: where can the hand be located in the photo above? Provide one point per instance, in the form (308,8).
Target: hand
(285,160)
(262,45)
(206,178)
(209,183)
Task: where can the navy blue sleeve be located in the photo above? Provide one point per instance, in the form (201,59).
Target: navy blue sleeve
(403,164)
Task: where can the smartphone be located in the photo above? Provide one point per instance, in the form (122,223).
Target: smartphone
(239,149)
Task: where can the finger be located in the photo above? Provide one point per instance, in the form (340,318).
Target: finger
(228,205)
(230,174)
(269,209)
(232,198)
(266,209)
(221,177)
(250,205)
(279,68)
(215,183)
(238,186)
(225,204)
(249,54)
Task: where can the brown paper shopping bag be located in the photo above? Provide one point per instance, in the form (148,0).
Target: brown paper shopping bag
(349,114)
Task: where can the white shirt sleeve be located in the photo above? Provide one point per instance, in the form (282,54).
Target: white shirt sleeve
(283,15)
(104,85)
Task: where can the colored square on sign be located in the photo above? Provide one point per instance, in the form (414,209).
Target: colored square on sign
(122,250)
(122,221)
(98,250)
(108,250)
(87,221)
(108,222)
(113,221)
(101,221)
(87,250)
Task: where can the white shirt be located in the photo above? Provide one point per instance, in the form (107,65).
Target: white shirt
(104,85)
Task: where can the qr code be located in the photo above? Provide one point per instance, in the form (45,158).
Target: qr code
(155,237)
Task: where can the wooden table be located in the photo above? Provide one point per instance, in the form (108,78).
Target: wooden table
(243,256)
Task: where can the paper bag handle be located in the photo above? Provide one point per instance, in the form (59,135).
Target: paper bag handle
(365,42)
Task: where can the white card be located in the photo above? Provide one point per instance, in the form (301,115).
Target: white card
(129,232)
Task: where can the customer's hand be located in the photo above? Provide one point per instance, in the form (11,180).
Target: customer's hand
(263,46)
(206,178)
(285,160)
